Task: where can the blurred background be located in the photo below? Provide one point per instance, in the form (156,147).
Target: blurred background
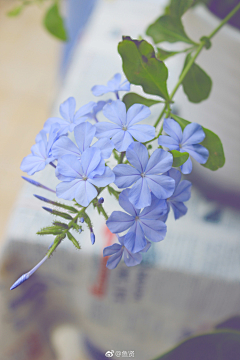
(198,273)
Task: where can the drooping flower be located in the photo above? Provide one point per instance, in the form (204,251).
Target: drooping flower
(145,174)
(79,176)
(84,134)
(187,140)
(122,128)
(70,118)
(41,151)
(116,251)
(141,224)
(181,194)
(113,85)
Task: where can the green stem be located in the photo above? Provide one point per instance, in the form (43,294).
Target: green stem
(104,213)
(224,21)
(160,116)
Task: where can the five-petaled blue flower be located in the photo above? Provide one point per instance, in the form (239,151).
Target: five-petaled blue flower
(145,174)
(185,141)
(70,118)
(181,194)
(122,128)
(41,151)
(141,224)
(79,176)
(84,134)
(116,251)
(113,85)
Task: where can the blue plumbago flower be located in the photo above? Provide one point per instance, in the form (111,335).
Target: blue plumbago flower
(116,251)
(97,108)
(145,174)
(79,176)
(113,85)
(70,118)
(181,194)
(92,236)
(41,151)
(122,127)
(185,141)
(26,276)
(84,134)
(141,224)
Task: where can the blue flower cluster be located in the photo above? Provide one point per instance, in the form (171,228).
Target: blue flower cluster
(151,186)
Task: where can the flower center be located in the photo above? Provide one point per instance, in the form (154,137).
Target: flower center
(180,146)
(143,175)
(84,177)
(124,127)
(137,218)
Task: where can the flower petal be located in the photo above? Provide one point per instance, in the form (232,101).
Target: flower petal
(186,168)
(137,113)
(115,112)
(106,129)
(173,129)
(90,159)
(179,209)
(182,191)
(119,221)
(135,240)
(64,146)
(70,167)
(142,133)
(155,210)
(106,146)
(125,86)
(85,193)
(84,134)
(126,204)
(122,139)
(114,83)
(162,186)
(125,175)
(198,152)
(174,174)
(67,189)
(114,260)
(137,155)
(53,120)
(67,109)
(159,162)
(99,90)
(131,259)
(103,180)
(32,163)
(83,111)
(192,134)
(168,142)
(154,230)
(139,194)
(112,249)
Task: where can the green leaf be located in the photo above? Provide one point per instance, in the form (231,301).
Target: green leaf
(164,54)
(179,158)
(16,11)
(73,240)
(132,98)
(141,66)
(179,7)
(212,142)
(50,230)
(113,192)
(168,28)
(196,84)
(219,345)
(54,23)
(63,215)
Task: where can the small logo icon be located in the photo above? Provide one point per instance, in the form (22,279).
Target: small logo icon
(109,353)
(118,353)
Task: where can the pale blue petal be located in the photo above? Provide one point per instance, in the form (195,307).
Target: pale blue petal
(121,239)
(168,142)
(64,146)
(174,174)
(41,136)
(198,152)
(119,221)
(90,159)
(182,192)
(70,167)
(83,111)
(154,230)
(159,162)
(155,210)
(39,149)
(137,113)
(139,194)
(137,155)
(112,249)
(67,189)
(142,133)
(106,129)
(192,134)
(53,120)
(114,260)
(31,164)
(103,180)
(99,90)
(126,204)
(135,240)
(162,186)
(147,247)
(106,146)
(131,259)
(85,193)
(126,175)
(173,129)
(179,209)
(115,112)
(99,170)
(84,134)
(67,109)
(186,168)
(122,139)
(114,83)
(125,86)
